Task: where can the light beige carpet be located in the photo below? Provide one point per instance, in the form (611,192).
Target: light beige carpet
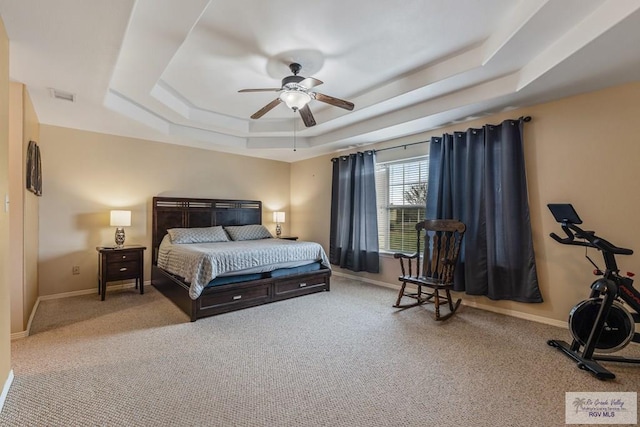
(339,358)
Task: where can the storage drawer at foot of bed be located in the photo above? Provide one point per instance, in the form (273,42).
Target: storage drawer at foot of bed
(241,296)
(300,286)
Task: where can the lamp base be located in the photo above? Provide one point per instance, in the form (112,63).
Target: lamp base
(119,237)
(278,230)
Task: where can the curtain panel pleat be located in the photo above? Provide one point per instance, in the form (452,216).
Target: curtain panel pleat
(478,177)
(354,226)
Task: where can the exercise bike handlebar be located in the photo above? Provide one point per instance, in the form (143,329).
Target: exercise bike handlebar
(572,231)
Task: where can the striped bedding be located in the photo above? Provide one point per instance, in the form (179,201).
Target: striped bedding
(200,263)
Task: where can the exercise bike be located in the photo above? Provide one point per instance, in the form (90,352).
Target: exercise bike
(600,323)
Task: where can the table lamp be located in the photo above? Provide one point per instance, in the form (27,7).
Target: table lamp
(278,218)
(120,219)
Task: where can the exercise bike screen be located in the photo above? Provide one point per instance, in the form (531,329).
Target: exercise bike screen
(564,212)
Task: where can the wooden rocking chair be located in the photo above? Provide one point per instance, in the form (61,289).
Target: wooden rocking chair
(442,240)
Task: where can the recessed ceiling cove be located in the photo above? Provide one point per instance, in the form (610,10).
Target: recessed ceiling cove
(172,71)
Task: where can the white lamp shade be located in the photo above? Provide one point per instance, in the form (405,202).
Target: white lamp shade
(295,99)
(278,217)
(120,218)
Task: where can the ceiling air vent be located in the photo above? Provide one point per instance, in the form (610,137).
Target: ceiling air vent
(65,96)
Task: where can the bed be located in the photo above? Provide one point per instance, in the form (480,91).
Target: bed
(227,290)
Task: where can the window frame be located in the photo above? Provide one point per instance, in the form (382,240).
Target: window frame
(385,207)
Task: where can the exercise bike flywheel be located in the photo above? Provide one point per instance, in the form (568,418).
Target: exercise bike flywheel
(618,329)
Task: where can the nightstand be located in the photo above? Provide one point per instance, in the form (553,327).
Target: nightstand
(288,237)
(120,264)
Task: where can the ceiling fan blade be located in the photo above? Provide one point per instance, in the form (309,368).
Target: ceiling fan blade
(334,101)
(264,110)
(270,89)
(307,117)
(310,82)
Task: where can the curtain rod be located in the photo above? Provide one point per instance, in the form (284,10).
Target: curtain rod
(523,118)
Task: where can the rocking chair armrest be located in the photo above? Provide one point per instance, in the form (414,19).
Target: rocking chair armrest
(405,256)
(401,256)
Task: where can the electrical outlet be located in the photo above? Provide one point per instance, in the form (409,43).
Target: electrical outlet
(75,269)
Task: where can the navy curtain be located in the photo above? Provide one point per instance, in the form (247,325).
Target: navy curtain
(354,223)
(478,177)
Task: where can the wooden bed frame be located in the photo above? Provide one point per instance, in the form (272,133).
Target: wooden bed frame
(176,212)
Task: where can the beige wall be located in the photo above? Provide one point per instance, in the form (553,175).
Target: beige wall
(86,174)
(583,150)
(30,131)
(23,216)
(16,213)
(5,321)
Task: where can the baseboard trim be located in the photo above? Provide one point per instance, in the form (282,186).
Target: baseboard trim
(518,314)
(5,389)
(365,279)
(33,314)
(85,292)
(26,333)
(508,312)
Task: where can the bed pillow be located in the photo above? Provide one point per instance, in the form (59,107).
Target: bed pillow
(198,235)
(248,232)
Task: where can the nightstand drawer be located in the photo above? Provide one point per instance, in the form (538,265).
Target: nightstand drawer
(122,256)
(123,270)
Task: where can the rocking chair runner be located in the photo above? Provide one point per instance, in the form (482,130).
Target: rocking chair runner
(442,240)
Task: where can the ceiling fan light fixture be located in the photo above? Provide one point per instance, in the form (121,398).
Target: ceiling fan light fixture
(295,99)
(296,93)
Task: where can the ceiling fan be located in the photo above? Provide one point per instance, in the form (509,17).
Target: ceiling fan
(296,93)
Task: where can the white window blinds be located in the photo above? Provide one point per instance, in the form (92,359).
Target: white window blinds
(401,188)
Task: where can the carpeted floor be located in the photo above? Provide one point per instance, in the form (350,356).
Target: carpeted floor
(339,358)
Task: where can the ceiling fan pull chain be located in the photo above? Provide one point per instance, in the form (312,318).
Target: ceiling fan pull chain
(294,130)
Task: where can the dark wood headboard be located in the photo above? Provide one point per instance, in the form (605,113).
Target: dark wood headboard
(180,212)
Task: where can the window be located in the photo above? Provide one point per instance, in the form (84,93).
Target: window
(401,189)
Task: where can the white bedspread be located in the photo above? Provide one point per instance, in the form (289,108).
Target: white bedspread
(199,263)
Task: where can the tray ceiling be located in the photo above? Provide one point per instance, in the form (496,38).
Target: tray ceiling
(170,71)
